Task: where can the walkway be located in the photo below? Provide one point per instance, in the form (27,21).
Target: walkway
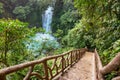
(83,70)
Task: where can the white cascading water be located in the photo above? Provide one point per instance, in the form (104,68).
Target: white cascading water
(47,19)
(42,42)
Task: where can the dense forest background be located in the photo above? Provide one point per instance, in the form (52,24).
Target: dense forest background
(31,11)
(76,24)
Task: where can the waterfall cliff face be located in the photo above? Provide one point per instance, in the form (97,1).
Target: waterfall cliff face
(47,19)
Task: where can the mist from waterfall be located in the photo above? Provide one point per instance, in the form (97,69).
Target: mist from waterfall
(47,19)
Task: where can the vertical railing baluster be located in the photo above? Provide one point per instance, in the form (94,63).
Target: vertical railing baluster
(2,77)
(68,59)
(56,65)
(76,55)
(62,64)
(29,73)
(79,54)
(46,70)
(71,58)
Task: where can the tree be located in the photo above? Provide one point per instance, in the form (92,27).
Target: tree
(13,33)
(65,16)
(22,12)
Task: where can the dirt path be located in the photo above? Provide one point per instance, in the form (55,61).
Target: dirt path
(83,70)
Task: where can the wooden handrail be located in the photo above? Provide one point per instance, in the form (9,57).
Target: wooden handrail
(65,60)
(98,66)
(113,65)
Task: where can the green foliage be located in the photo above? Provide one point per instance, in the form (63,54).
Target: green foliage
(74,37)
(21,11)
(110,53)
(65,16)
(68,19)
(59,35)
(80,37)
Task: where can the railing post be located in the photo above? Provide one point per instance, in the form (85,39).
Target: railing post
(62,64)
(2,77)
(79,54)
(71,58)
(46,70)
(76,55)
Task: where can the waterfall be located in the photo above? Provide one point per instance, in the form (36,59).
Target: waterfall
(43,42)
(47,19)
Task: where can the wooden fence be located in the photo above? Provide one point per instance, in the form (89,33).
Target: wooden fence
(50,66)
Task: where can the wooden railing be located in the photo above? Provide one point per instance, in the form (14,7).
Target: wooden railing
(47,68)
